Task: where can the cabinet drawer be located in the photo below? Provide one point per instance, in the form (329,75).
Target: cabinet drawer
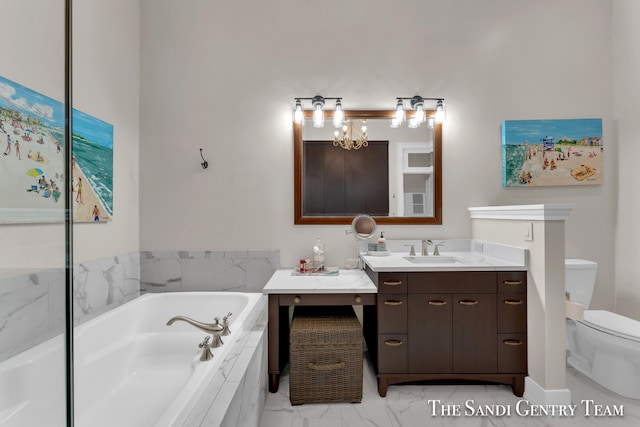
(327,299)
(392,313)
(393,283)
(512,353)
(479,282)
(392,353)
(512,281)
(512,313)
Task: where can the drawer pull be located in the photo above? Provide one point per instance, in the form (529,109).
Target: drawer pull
(437,302)
(513,302)
(512,282)
(296,300)
(392,302)
(512,342)
(395,283)
(358,299)
(468,302)
(328,367)
(393,343)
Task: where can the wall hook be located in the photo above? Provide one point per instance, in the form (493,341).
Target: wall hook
(204,163)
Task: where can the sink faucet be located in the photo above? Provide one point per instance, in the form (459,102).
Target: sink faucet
(211,328)
(425,251)
(412,252)
(435,250)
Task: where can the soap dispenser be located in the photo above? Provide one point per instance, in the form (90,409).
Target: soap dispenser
(318,254)
(382,243)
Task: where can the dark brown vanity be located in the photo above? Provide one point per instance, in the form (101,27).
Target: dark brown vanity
(448,325)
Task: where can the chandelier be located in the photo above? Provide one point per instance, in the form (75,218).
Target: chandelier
(346,140)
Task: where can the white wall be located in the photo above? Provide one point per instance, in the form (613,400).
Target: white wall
(106,66)
(626,91)
(222,76)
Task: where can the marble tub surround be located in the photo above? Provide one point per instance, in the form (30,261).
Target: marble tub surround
(32,307)
(456,254)
(237,271)
(347,281)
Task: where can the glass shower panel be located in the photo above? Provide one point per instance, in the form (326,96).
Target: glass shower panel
(32,201)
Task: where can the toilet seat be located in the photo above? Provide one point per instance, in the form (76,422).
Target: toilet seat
(613,324)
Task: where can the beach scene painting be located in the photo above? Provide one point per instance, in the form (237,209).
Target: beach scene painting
(552,152)
(32,161)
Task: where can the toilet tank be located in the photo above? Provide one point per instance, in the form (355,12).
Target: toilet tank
(580,278)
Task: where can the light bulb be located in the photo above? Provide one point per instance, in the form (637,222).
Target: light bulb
(414,122)
(297,114)
(440,114)
(419,116)
(338,114)
(318,116)
(394,123)
(399,113)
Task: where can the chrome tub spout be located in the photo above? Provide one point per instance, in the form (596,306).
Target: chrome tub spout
(207,327)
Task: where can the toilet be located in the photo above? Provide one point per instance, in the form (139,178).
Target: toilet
(602,345)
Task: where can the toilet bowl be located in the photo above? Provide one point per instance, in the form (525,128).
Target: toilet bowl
(604,346)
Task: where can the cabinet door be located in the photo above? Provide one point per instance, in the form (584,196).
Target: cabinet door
(429,327)
(474,333)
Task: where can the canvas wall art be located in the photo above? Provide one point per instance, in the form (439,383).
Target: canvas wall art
(552,152)
(32,161)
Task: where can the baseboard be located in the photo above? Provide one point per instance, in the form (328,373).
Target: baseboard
(534,393)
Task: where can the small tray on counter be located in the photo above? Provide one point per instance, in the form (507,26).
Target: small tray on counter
(327,271)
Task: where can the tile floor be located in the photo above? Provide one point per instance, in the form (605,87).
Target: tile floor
(406,406)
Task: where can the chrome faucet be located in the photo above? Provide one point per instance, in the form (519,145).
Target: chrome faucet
(425,251)
(211,328)
(412,252)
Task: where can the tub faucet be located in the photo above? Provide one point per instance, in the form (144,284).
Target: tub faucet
(211,328)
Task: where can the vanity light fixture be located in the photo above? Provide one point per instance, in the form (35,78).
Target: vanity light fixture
(419,113)
(317,106)
(346,140)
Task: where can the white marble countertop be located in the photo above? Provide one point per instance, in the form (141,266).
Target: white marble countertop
(455,255)
(347,281)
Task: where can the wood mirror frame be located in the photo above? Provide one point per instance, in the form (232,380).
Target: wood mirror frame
(299,218)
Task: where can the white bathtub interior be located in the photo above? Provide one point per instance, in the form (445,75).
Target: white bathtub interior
(130,368)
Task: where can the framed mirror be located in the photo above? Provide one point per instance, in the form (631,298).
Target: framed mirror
(395,179)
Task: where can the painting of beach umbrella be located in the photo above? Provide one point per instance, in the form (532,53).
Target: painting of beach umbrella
(35,172)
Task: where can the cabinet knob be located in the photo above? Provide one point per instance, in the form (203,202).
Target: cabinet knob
(468,302)
(393,283)
(512,342)
(437,302)
(358,299)
(512,282)
(513,302)
(393,343)
(296,300)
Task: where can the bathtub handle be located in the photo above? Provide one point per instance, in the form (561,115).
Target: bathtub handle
(206,349)
(329,367)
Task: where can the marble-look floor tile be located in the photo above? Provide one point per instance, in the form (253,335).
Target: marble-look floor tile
(407,406)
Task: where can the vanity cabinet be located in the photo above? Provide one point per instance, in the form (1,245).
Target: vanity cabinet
(449,326)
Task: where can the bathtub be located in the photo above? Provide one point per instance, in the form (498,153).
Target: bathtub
(130,368)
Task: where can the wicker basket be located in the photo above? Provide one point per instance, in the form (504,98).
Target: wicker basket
(325,355)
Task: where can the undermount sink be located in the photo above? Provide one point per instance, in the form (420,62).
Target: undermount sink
(432,259)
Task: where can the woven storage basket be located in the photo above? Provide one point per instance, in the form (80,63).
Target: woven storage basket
(325,355)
